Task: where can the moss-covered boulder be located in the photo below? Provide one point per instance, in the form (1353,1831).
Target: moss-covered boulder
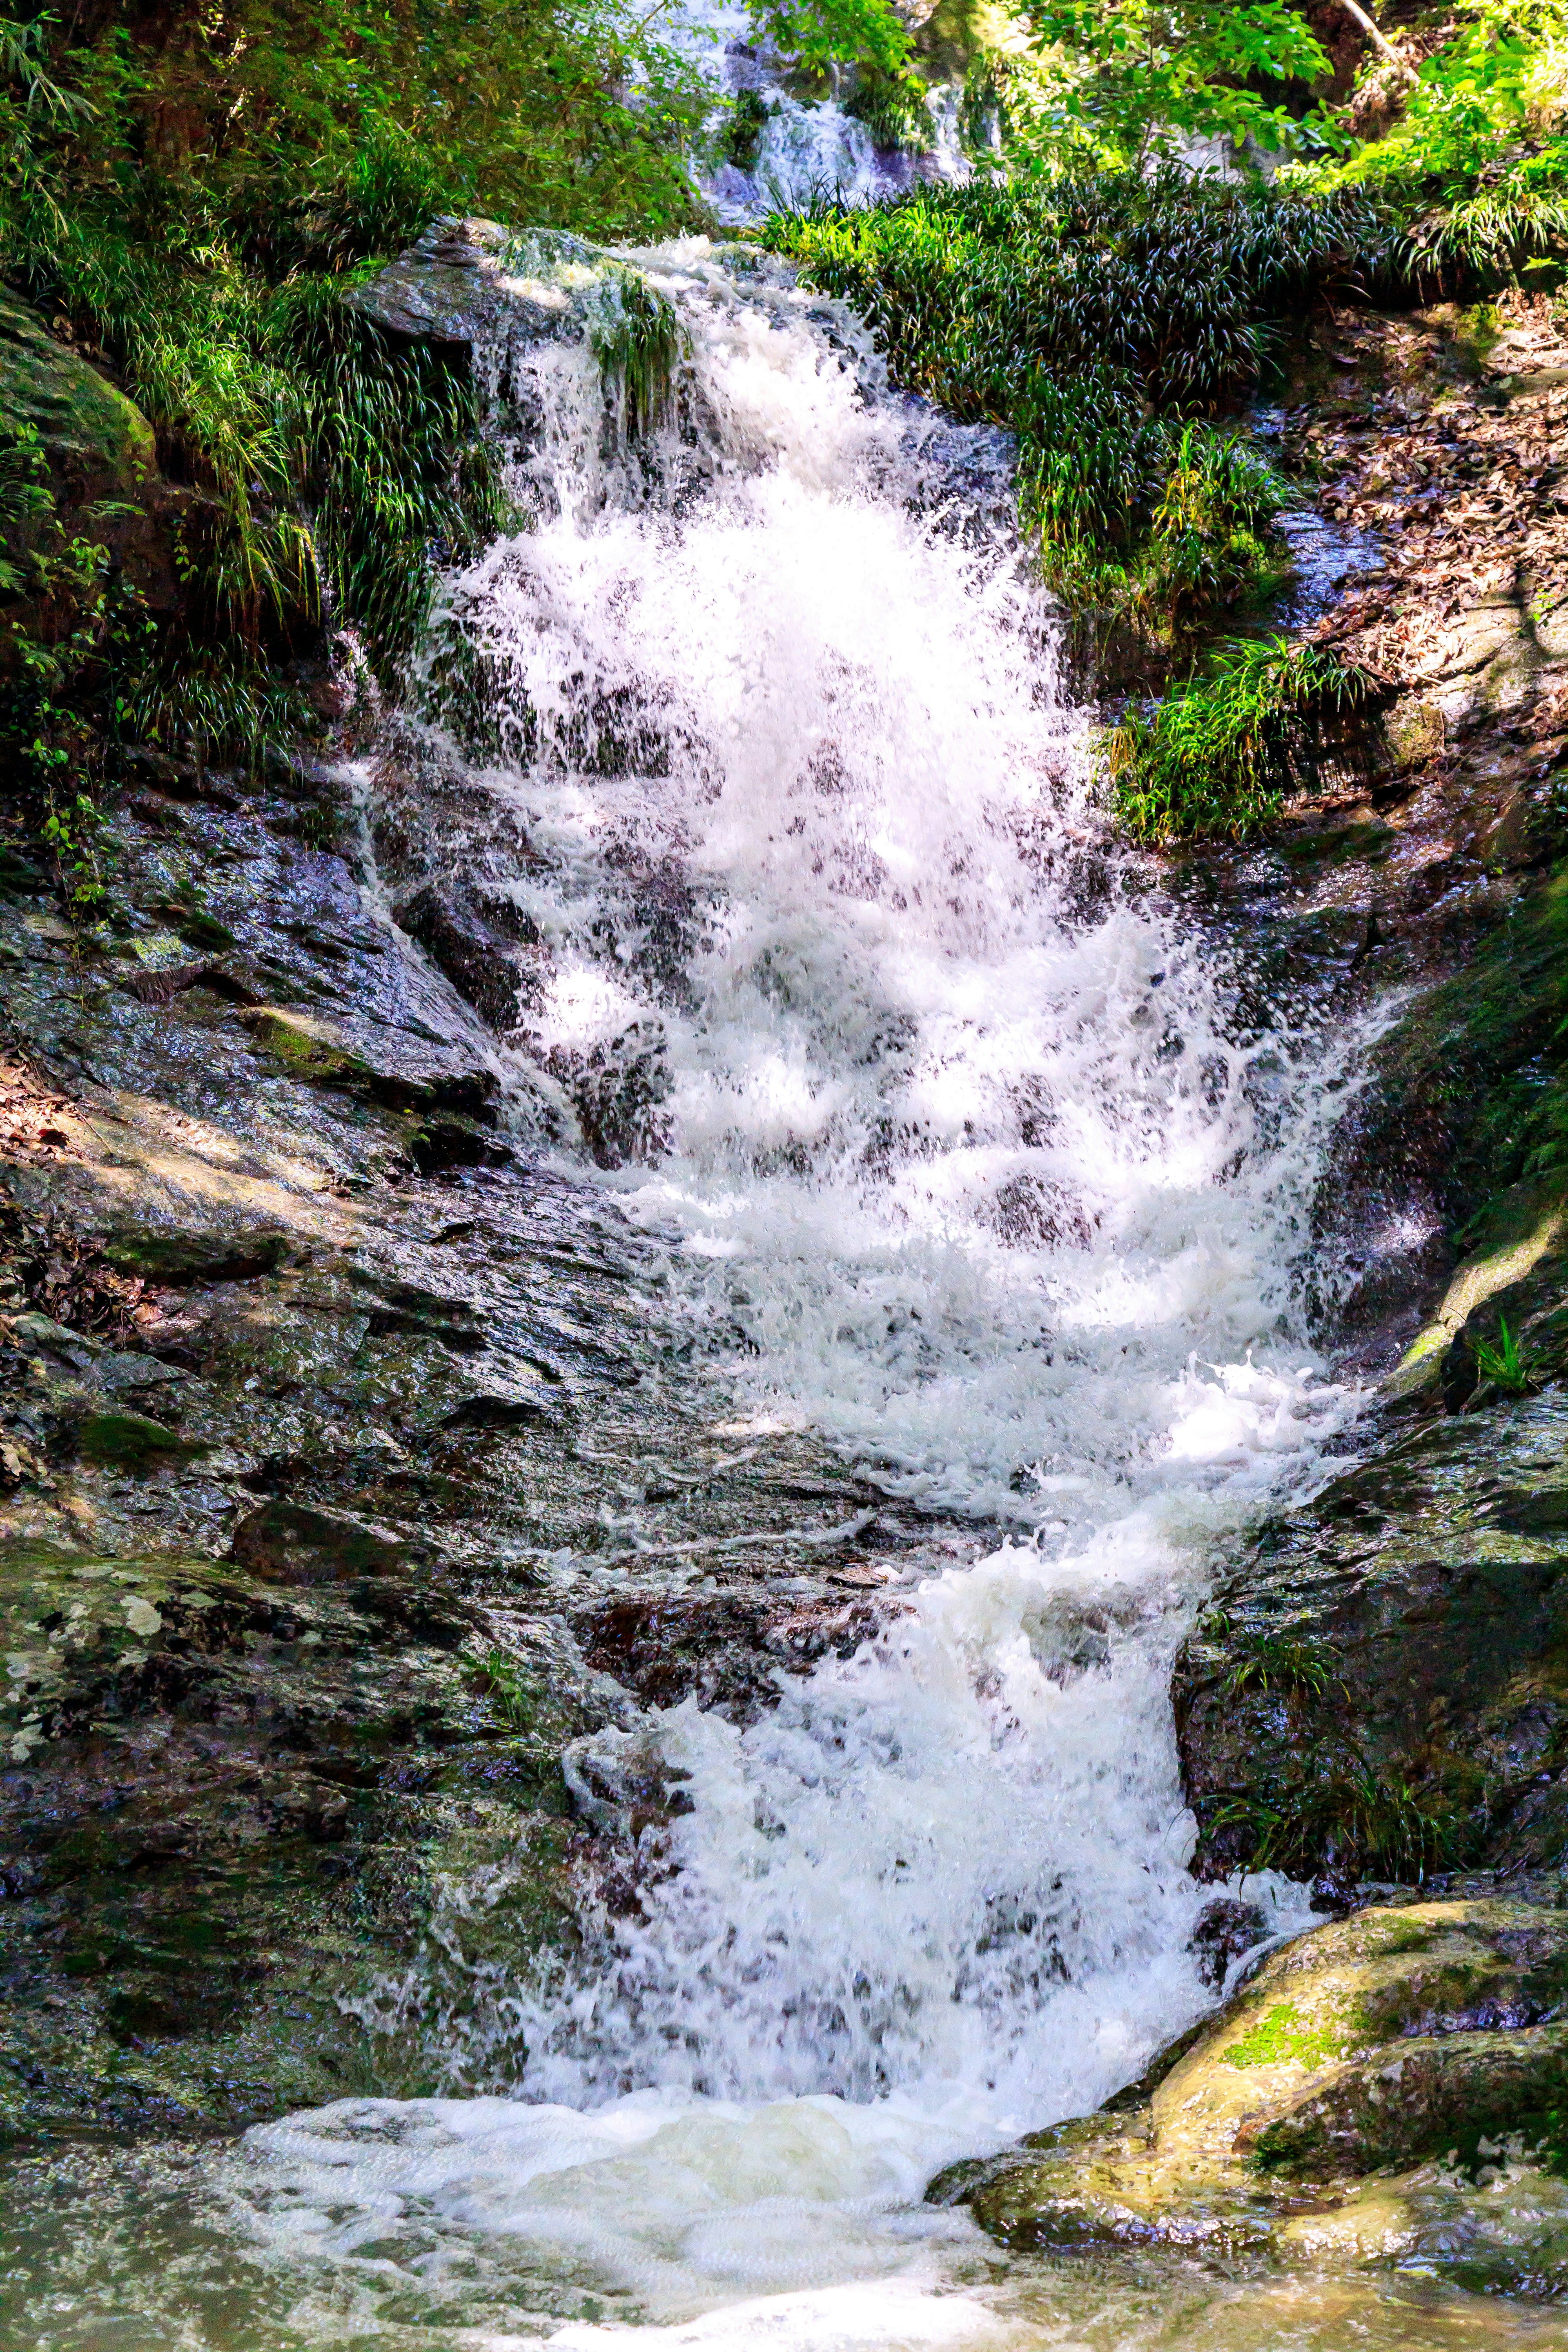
(1422,2036)
(99,454)
(82,421)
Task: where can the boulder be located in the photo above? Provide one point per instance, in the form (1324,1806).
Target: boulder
(1422,2035)
(474,285)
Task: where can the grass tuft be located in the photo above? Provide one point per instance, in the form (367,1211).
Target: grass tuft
(1221,751)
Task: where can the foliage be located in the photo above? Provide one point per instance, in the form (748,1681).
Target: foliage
(68,655)
(1281,1664)
(740,136)
(1479,157)
(639,341)
(1112,82)
(820,33)
(1220,751)
(1084,312)
(893,108)
(1360,1823)
(1503,1365)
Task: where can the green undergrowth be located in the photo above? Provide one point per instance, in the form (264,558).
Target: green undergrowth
(1105,318)
(1476,153)
(1217,756)
(1336,1811)
(189,205)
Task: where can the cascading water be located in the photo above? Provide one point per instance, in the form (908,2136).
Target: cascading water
(802,148)
(959,1158)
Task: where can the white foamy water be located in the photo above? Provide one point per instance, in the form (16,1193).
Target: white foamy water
(806,149)
(961,1160)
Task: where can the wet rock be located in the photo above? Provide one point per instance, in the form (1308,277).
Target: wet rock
(617,1091)
(466,282)
(292,1543)
(482,963)
(725,1650)
(178,1259)
(1225,1929)
(1384,2041)
(1381,1690)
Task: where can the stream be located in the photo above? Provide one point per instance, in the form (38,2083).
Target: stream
(947,1143)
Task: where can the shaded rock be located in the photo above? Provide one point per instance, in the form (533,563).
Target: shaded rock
(177,1259)
(80,416)
(292,1543)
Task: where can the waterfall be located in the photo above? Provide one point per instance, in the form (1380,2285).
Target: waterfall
(962,1156)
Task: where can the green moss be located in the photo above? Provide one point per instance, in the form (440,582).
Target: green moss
(1283,2037)
(81,421)
(129,1441)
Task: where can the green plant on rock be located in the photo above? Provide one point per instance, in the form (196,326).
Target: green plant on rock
(638,341)
(1341,1812)
(1478,158)
(1211,538)
(1279,1663)
(1220,751)
(508,1689)
(1502,1364)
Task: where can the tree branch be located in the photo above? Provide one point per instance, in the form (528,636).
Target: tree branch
(1379,39)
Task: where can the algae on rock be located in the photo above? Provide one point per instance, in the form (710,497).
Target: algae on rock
(1406,2043)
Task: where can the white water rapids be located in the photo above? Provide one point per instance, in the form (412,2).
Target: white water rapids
(962,1161)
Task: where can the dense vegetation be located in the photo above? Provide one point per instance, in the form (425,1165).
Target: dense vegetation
(1091,295)
(187,197)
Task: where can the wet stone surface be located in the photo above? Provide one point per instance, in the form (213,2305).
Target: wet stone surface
(348,1476)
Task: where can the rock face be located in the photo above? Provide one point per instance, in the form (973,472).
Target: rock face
(335,1503)
(1381,1688)
(1409,2042)
(471,284)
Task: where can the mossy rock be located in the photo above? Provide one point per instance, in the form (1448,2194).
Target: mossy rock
(82,421)
(322,1054)
(1379,2043)
(310,1049)
(130,1440)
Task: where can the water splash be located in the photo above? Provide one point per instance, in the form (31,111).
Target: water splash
(961,1157)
